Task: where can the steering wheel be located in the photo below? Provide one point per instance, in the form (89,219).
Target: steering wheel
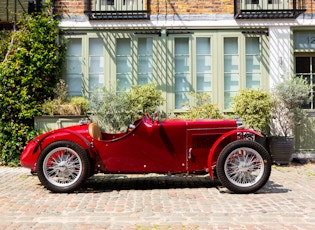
(130,125)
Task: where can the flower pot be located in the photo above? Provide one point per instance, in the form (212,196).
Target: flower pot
(281,149)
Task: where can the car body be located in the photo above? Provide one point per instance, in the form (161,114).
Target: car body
(64,158)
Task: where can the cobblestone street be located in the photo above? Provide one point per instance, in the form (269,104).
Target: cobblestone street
(158,202)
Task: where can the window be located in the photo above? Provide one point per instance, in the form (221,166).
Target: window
(203,65)
(96,64)
(253,62)
(182,72)
(145,60)
(305,68)
(231,70)
(74,67)
(123,64)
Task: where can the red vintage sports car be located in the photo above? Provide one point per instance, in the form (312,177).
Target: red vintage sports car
(64,158)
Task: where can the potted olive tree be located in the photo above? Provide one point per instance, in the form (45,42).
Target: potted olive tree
(290,95)
(253,107)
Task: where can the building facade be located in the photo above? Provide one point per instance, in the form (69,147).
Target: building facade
(212,46)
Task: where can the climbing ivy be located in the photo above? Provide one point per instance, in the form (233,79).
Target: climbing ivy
(30,66)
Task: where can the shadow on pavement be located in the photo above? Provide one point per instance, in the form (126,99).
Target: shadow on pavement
(272,187)
(108,183)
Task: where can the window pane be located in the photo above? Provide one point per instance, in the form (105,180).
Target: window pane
(182,72)
(203,83)
(145,46)
(125,81)
(253,64)
(182,82)
(181,46)
(252,46)
(74,47)
(231,82)
(203,63)
(231,64)
(253,81)
(203,46)
(123,46)
(182,63)
(74,67)
(230,46)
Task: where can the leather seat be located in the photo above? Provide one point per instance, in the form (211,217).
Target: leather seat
(95,131)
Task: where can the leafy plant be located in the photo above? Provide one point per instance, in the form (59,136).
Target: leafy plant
(290,95)
(31,62)
(204,109)
(254,107)
(113,112)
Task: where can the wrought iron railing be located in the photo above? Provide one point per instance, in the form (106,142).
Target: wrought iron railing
(117,9)
(263,9)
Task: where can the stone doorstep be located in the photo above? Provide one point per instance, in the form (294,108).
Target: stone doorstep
(304,156)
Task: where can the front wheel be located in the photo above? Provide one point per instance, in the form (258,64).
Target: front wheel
(243,166)
(63,166)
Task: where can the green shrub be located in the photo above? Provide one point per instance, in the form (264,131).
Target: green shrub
(254,107)
(204,109)
(114,112)
(30,65)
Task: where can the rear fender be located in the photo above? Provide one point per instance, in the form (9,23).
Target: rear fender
(222,141)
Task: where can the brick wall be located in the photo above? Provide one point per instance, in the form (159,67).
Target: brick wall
(72,7)
(169,7)
(192,7)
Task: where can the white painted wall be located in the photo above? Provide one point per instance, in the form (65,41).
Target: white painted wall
(280,52)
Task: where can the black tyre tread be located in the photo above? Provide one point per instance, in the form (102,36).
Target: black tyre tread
(224,154)
(85,167)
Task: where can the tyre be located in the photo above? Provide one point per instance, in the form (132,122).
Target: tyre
(243,166)
(63,166)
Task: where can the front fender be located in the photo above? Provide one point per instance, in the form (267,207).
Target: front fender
(34,147)
(222,141)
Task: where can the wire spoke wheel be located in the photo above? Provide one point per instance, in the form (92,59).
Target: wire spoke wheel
(63,166)
(244,166)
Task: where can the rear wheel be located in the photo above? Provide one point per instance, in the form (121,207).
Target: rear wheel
(63,166)
(243,166)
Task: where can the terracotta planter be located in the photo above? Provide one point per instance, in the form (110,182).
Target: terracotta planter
(281,149)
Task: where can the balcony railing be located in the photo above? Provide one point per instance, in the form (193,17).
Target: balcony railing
(117,9)
(268,9)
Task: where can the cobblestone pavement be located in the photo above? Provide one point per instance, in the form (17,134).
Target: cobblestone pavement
(159,202)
